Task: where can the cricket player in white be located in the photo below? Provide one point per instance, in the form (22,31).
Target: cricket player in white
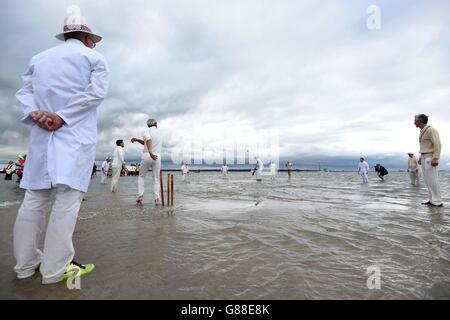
(61,91)
(151,158)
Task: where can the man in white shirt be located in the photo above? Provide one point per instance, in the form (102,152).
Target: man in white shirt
(258,169)
(105,169)
(413,169)
(273,170)
(117,165)
(363,170)
(151,158)
(184,171)
(224,170)
(61,91)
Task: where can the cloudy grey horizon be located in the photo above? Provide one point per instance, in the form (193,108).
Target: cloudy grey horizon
(216,72)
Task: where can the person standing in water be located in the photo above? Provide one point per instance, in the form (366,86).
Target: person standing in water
(381,171)
(117,165)
(94,170)
(363,170)
(224,170)
(184,171)
(9,170)
(289,168)
(430,152)
(259,166)
(413,169)
(61,92)
(273,170)
(151,158)
(105,168)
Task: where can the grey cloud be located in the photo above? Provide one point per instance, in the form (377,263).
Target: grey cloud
(310,70)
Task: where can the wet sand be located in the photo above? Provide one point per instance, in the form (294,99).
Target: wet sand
(312,237)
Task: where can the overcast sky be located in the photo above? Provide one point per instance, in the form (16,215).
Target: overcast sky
(309,72)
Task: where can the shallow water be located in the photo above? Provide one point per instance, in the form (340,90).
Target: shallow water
(310,237)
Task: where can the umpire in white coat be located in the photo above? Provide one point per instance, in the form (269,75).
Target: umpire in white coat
(61,91)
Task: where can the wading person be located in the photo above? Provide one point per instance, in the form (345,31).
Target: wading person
(184,171)
(61,91)
(289,168)
(105,168)
(413,169)
(273,170)
(224,170)
(381,171)
(430,152)
(259,167)
(9,170)
(151,158)
(117,165)
(363,170)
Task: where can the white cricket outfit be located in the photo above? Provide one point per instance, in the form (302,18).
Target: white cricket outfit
(273,170)
(224,170)
(117,165)
(70,80)
(364,171)
(147,162)
(105,168)
(259,169)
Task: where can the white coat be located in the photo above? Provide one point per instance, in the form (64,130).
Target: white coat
(71,80)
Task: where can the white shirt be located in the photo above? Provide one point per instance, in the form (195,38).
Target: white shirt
(184,169)
(152,133)
(105,166)
(118,159)
(71,80)
(224,169)
(363,167)
(259,165)
(273,168)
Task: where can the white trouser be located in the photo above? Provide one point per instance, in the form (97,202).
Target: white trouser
(58,248)
(146,163)
(104,177)
(414,176)
(183,176)
(364,176)
(116,170)
(258,174)
(430,177)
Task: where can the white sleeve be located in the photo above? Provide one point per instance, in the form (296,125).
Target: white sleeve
(146,135)
(25,95)
(90,98)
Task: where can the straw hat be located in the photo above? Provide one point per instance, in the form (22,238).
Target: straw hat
(75,22)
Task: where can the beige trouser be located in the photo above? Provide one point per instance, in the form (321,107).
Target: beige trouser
(116,170)
(431,179)
(414,176)
(30,222)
